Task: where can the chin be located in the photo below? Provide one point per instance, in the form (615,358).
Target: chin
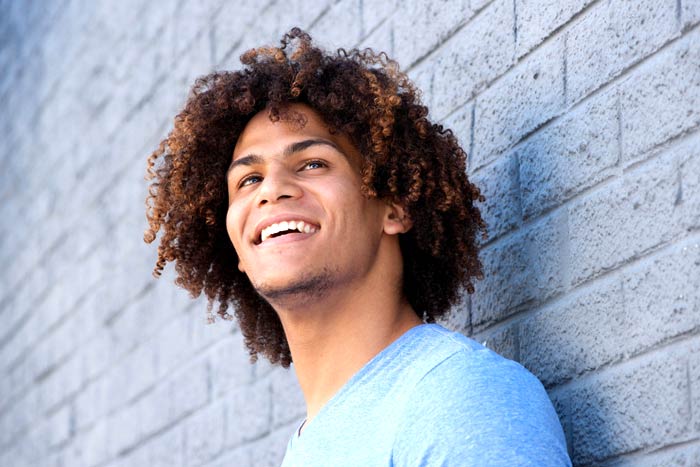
(305,287)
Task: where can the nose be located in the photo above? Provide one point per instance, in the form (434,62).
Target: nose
(277,185)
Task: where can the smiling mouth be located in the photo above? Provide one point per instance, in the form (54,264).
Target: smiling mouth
(284,228)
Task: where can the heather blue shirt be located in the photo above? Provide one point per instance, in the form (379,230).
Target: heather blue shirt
(434,398)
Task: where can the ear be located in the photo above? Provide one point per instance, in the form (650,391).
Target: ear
(240,266)
(396,221)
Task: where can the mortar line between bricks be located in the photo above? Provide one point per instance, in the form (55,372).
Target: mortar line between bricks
(416,62)
(584,287)
(660,148)
(485,86)
(447,38)
(690,394)
(44,415)
(242,34)
(551,211)
(40,297)
(146,439)
(569,106)
(365,35)
(472,111)
(566,248)
(515,31)
(159,381)
(121,309)
(320,16)
(62,319)
(126,118)
(482,334)
(227,56)
(574,18)
(618,117)
(565,70)
(644,452)
(211,401)
(12,332)
(518,188)
(620,75)
(647,157)
(57,242)
(671,345)
(20,394)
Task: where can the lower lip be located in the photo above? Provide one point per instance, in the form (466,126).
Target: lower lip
(287,238)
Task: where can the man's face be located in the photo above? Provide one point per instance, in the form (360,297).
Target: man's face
(296,216)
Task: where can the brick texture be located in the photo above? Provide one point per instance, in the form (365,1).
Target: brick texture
(635,407)
(580,119)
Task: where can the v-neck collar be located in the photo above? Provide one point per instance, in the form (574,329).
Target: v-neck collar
(366,369)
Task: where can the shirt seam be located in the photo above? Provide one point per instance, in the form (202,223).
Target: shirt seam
(453,338)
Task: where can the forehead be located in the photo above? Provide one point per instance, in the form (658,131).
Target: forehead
(263,135)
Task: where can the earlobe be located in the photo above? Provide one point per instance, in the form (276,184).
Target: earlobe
(240,266)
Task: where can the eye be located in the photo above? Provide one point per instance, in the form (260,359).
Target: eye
(314,164)
(249,180)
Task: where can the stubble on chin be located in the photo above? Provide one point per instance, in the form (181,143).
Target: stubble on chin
(305,289)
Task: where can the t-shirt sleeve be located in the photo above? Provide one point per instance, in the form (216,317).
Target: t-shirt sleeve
(479,409)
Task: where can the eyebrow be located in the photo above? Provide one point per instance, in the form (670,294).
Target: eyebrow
(293,148)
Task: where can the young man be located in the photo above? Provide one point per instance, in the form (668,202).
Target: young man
(311,192)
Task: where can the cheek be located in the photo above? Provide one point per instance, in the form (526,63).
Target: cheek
(232,227)
(234,234)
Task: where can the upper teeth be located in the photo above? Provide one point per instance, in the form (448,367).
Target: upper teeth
(301,226)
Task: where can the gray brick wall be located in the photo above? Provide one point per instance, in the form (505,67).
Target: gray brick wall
(581,119)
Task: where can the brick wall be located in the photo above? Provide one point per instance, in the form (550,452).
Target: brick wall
(581,119)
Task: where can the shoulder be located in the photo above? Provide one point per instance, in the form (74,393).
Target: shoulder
(462,371)
(476,405)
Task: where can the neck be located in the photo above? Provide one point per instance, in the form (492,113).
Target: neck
(332,340)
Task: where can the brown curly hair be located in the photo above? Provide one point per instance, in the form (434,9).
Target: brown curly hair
(406,159)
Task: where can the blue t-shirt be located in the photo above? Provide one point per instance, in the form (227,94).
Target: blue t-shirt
(434,398)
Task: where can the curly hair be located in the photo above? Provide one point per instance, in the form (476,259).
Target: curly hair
(405,159)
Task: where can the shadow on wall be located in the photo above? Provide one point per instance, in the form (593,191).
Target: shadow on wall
(523,308)
(559,337)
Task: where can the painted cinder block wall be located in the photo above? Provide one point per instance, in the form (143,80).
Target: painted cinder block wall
(581,119)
